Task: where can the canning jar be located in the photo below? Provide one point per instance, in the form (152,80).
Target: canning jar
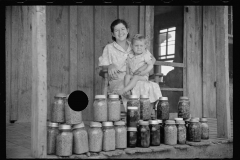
(145,134)
(100,108)
(184,108)
(80,139)
(132,116)
(52,132)
(131,137)
(120,134)
(95,137)
(145,108)
(170,132)
(64,141)
(71,116)
(57,113)
(194,129)
(181,132)
(108,136)
(161,126)
(114,108)
(163,108)
(154,133)
(204,128)
(134,102)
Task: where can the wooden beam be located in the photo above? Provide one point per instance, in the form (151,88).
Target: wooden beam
(39,83)
(172,89)
(223,104)
(149,26)
(169,64)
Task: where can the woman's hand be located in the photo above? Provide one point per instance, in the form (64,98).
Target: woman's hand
(113,71)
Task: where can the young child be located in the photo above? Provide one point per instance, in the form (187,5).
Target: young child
(139,64)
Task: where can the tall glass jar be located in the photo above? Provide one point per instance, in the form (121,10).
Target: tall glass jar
(145,108)
(131,137)
(204,128)
(114,108)
(57,113)
(80,139)
(100,109)
(194,129)
(52,133)
(71,116)
(154,133)
(170,132)
(133,101)
(132,116)
(121,134)
(95,137)
(163,108)
(145,134)
(108,136)
(181,132)
(161,125)
(64,141)
(184,108)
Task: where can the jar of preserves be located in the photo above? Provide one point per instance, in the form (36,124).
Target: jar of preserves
(181,132)
(133,101)
(170,132)
(121,134)
(131,137)
(114,108)
(64,141)
(154,133)
(52,133)
(71,116)
(145,134)
(100,109)
(95,137)
(132,116)
(163,108)
(80,139)
(57,113)
(184,108)
(161,125)
(204,128)
(145,108)
(194,129)
(108,136)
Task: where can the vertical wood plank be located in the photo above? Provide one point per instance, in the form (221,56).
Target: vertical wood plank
(39,83)
(141,20)
(185,51)
(209,62)
(149,26)
(223,104)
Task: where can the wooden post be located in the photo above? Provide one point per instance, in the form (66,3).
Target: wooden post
(39,83)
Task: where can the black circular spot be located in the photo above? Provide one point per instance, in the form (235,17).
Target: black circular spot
(77,100)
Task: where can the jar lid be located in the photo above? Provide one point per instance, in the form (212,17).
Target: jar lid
(163,98)
(100,97)
(178,119)
(80,125)
(180,122)
(143,122)
(203,120)
(107,123)
(159,121)
(113,96)
(132,107)
(52,124)
(119,123)
(184,97)
(193,120)
(133,96)
(153,121)
(95,124)
(132,129)
(61,95)
(64,126)
(144,96)
(169,122)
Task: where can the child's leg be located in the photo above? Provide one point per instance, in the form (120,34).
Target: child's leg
(127,79)
(132,83)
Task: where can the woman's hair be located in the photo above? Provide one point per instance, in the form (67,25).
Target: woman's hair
(116,22)
(140,37)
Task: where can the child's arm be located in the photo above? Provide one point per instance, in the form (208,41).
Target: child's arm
(148,68)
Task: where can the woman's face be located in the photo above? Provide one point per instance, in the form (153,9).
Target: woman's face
(120,32)
(138,47)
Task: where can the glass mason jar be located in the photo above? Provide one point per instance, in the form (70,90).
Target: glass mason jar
(71,116)
(163,108)
(145,134)
(100,109)
(194,129)
(52,132)
(161,125)
(184,108)
(154,133)
(108,136)
(64,141)
(131,137)
(114,108)
(145,108)
(170,132)
(181,132)
(57,112)
(120,134)
(80,139)
(95,137)
(204,128)
(132,116)
(133,101)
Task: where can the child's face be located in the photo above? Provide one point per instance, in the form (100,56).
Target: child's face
(139,47)
(120,32)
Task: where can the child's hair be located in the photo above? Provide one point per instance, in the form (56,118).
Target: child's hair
(116,22)
(139,37)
